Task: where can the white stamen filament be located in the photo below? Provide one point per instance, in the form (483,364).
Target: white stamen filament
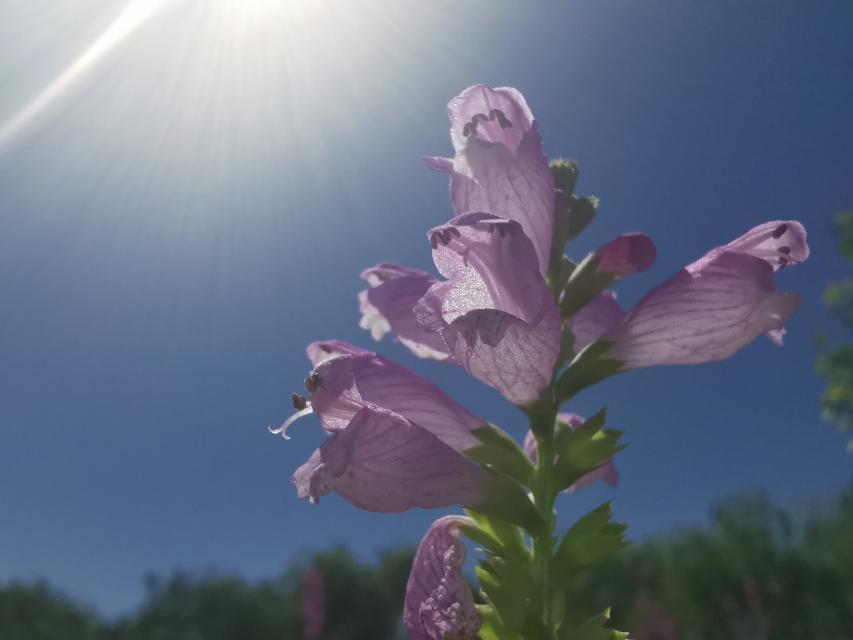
(282,429)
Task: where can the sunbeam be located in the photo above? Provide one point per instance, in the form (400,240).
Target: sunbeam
(134,16)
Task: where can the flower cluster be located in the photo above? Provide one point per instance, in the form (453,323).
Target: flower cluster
(510,308)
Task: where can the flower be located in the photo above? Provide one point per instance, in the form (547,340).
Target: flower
(387,306)
(626,254)
(715,305)
(606,472)
(494,313)
(438,601)
(498,165)
(396,438)
(595,319)
(313,603)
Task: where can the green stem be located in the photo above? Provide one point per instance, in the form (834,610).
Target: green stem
(543,493)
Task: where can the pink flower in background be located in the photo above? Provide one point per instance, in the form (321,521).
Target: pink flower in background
(498,165)
(607,472)
(313,603)
(494,312)
(439,604)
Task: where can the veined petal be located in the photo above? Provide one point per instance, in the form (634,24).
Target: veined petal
(607,472)
(499,166)
(595,319)
(439,604)
(346,384)
(495,313)
(388,306)
(382,462)
(780,243)
(498,115)
(704,313)
(627,254)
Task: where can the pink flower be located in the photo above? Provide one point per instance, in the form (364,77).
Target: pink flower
(396,438)
(438,603)
(494,313)
(710,309)
(498,165)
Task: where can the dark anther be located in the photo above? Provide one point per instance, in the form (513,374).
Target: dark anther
(299,401)
(433,241)
(783,262)
(455,231)
(785,250)
(325,348)
(502,119)
(468,129)
(312,382)
(779,231)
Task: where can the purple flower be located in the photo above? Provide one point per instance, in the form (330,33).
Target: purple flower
(396,438)
(606,472)
(498,165)
(595,319)
(494,312)
(387,306)
(439,604)
(716,305)
(313,603)
(627,254)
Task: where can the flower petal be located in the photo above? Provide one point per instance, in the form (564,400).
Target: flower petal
(595,319)
(704,313)
(439,603)
(780,243)
(382,462)
(387,306)
(495,312)
(346,384)
(499,166)
(627,254)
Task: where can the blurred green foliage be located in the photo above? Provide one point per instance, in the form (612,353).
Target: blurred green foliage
(836,362)
(758,573)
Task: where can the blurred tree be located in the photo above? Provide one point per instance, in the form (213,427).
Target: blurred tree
(836,363)
(37,612)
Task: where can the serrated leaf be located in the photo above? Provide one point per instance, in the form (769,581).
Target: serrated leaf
(504,499)
(501,453)
(592,629)
(588,541)
(497,536)
(509,588)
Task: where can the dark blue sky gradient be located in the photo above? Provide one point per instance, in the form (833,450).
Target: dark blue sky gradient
(162,267)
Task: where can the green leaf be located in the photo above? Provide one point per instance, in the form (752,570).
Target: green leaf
(501,453)
(584,285)
(590,540)
(588,367)
(592,629)
(503,498)
(511,590)
(497,536)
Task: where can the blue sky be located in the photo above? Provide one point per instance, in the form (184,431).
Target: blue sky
(196,205)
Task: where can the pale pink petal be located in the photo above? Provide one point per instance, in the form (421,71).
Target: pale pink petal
(382,462)
(595,319)
(627,254)
(439,604)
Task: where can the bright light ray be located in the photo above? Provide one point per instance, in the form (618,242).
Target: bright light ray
(134,16)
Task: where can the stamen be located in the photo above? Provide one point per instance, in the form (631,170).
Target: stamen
(785,250)
(779,231)
(282,429)
(312,382)
(299,401)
